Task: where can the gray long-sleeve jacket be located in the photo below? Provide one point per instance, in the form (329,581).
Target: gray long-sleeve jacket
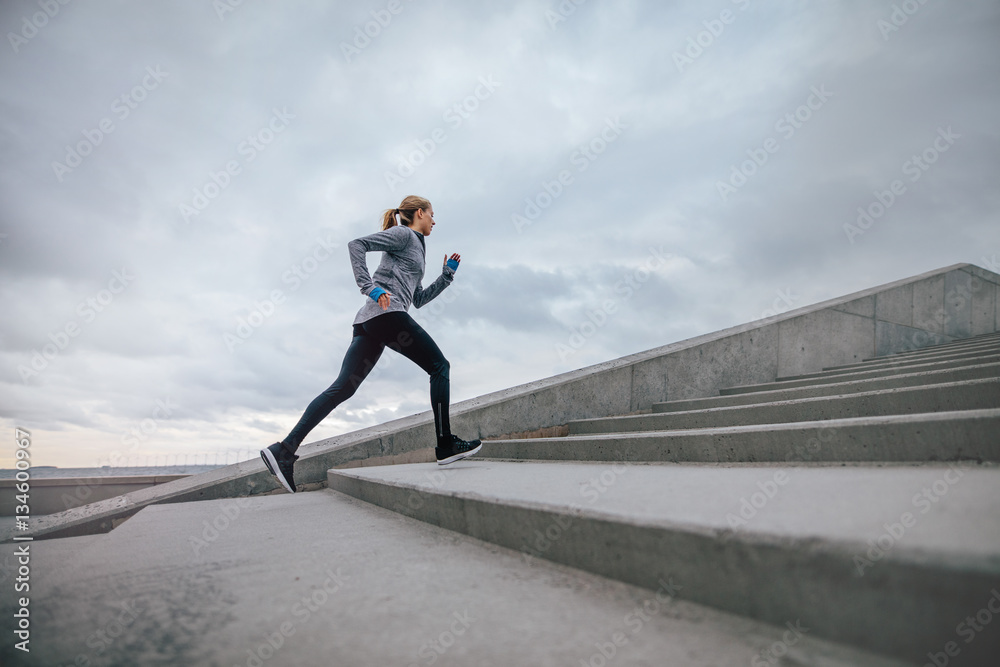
(399,273)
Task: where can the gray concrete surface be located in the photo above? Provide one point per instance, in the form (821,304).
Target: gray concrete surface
(641,523)
(828,377)
(970,395)
(333,581)
(957,305)
(51,495)
(964,435)
(891,362)
(953,345)
(919,379)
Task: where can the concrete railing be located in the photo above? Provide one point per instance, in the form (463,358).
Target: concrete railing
(56,494)
(939,306)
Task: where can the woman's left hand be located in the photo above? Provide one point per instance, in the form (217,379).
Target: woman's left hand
(453,261)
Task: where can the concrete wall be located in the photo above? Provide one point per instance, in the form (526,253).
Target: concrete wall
(936,307)
(939,306)
(51,495)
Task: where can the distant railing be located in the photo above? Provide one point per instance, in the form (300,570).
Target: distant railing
(184,459)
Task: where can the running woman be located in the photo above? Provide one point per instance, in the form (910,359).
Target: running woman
(384,321)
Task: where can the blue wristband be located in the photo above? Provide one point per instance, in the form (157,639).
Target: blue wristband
(376,293)
(453,264)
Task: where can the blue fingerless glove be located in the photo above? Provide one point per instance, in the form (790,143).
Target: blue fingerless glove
(376,293)
(453,264)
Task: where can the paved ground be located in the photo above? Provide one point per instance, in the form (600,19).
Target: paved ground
(322,579)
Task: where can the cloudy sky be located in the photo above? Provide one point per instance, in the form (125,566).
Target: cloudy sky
(180,181)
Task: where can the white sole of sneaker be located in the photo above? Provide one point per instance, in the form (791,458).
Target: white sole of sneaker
(459,457)
(272,466)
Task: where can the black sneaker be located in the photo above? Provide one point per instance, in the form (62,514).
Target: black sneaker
(279,461)
(452,448)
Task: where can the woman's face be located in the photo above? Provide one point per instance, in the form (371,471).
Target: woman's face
(423,220)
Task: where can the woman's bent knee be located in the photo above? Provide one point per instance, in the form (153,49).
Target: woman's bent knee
(441,368)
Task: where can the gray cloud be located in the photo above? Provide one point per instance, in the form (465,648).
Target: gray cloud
(414,97)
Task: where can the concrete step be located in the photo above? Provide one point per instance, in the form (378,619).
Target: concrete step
(901,363)
(861,374)
(885,558)
(992,334)
(953,345)
(331,580)
(934,349)
(970,395)
(963,435)
(785,393)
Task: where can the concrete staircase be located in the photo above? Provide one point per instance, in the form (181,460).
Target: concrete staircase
(722,500)
(320,578)
(861,502)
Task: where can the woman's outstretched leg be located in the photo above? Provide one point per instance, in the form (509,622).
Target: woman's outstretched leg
(361,357)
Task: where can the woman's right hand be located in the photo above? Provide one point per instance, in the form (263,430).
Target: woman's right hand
(380,296)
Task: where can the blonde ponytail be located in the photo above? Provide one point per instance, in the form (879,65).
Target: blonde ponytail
(405,211)
(389,218)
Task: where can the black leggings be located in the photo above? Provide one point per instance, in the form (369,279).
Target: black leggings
(400,332)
